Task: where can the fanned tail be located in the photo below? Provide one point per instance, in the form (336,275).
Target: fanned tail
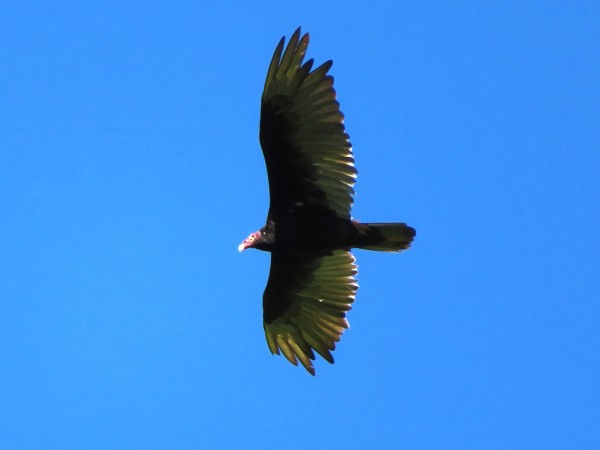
(387,237)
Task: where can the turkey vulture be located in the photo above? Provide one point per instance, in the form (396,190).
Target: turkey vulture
(309,230)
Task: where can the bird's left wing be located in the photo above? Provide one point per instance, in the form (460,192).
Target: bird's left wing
(305,304)
(308,156)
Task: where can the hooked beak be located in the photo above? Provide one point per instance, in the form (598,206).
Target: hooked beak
(249,242)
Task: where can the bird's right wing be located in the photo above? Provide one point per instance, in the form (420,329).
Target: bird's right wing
(308,156)
(305,304)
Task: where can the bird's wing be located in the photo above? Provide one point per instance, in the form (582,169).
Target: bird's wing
(308,156)
(305,304)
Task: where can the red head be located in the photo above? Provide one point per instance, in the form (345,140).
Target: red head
(250,241)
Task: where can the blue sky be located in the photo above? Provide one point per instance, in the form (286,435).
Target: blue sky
(131,170)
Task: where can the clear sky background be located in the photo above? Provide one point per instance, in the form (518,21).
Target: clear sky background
(130,170)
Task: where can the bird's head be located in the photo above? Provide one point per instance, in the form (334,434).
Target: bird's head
(250,241)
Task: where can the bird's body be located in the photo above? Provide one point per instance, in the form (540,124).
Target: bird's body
(305,231)
(309,230)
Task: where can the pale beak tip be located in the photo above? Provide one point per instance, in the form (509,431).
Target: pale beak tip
(241,247)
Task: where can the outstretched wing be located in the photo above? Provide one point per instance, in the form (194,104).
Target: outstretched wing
(305,304)
(307,153)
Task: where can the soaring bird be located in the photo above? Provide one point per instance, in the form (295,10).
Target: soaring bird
(309,230)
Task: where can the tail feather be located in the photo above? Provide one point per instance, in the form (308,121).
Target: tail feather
(387,237)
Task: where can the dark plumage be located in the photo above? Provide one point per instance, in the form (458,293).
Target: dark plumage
(309,231)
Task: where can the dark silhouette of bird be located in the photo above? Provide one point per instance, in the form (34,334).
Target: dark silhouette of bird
(309,230)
